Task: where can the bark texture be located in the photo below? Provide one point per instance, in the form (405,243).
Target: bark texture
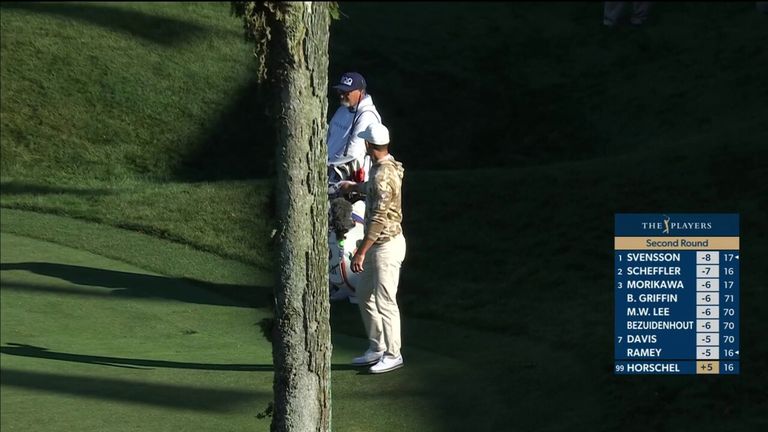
(298,68)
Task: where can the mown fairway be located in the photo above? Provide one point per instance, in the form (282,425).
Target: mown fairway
(92,343)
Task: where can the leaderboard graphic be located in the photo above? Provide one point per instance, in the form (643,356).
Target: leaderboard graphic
(676,293)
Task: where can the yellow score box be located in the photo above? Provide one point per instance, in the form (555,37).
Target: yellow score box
(676,243)
(707,367)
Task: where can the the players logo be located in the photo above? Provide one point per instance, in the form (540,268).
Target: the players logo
(666,225)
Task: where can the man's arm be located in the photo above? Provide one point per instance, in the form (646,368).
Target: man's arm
(382,199)
(347,186)
(383,194)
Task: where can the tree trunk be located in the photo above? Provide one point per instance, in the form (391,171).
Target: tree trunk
(302,340)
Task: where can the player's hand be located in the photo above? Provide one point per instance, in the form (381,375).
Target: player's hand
(357,262)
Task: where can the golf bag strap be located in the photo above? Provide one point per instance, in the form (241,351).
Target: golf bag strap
(354,123)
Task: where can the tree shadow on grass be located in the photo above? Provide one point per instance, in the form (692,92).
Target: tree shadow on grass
(165,395)
(25,188)
(138,285)
(157,29)
(31,351)
(239,145)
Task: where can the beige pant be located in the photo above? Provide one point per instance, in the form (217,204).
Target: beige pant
(377,291)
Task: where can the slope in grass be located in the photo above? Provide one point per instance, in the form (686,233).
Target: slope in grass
(125,90)
(120,90)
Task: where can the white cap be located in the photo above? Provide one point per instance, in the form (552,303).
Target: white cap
(375,133)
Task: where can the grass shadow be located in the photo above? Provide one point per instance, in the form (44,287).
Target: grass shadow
(23,350)
(239,145)
(157,29)
(24,188)
(31,351)
(137,285)
(164,395)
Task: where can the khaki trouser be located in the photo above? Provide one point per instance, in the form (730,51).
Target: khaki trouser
(377,291)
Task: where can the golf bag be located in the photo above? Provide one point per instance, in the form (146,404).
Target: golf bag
(345,224)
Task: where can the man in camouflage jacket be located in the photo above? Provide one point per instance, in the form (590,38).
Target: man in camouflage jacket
(381,253)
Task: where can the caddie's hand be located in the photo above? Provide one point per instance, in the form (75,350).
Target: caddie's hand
(346,186)
(357,262)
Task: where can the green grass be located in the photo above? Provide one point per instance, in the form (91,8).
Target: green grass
(91,343)
(98,344)
(162,352)
(532,83)
(124,90)
(229,218)
(523,128)
(95,344)
(119,90)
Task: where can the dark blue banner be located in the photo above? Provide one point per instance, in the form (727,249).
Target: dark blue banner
(677,311)
(676,224)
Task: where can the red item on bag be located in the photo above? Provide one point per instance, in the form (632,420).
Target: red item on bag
(360,175)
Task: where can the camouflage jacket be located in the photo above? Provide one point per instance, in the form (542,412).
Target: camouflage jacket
(383,206)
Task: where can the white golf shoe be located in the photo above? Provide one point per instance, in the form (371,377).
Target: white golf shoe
(368,358)
(386,364)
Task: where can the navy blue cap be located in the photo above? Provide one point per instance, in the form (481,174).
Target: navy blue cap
(350,81)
